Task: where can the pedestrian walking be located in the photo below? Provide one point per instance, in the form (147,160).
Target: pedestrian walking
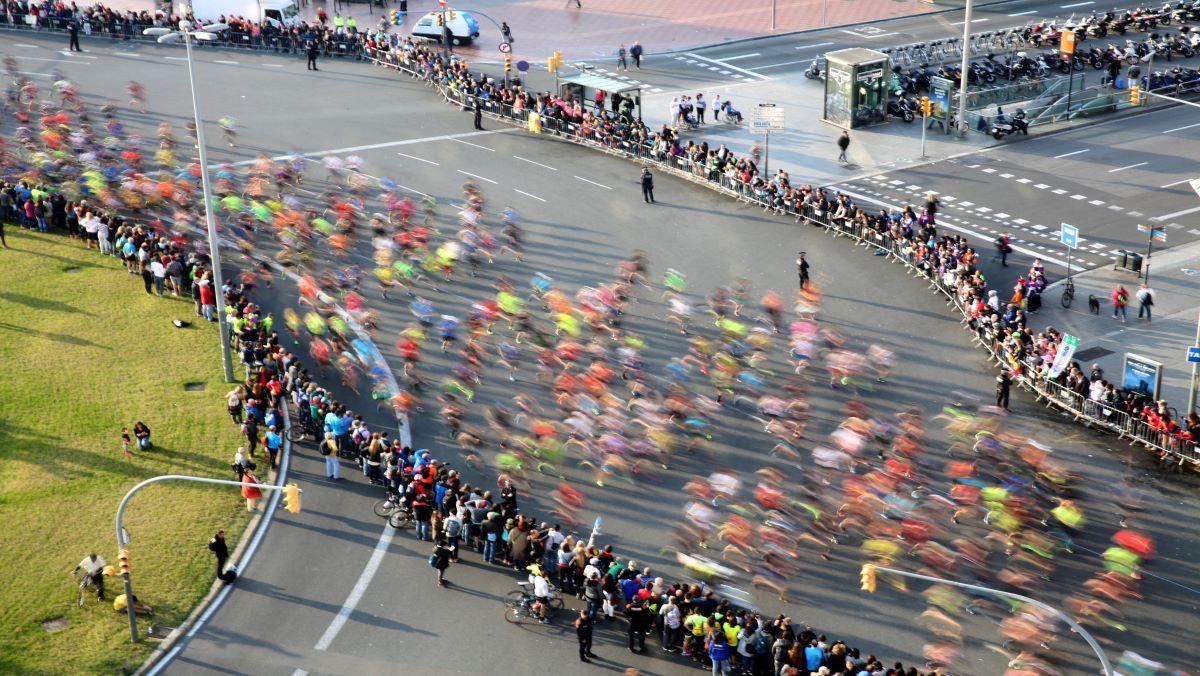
(647,185)
(1004,247)
(1003,387)
(220,549)
(843,143)
(73,31)
(478,114)
(636,52)
(1120,299)
(700,106)
(440,560)
(313,52)
(583,632)
(506,32)
(622,64)
(1145,298)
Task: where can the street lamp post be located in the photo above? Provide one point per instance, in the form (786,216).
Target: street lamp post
(187,32)
(966,64)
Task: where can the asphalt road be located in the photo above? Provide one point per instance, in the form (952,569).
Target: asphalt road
(582,213)
(1105,179)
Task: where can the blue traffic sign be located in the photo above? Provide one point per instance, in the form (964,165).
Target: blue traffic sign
(1069,235)
(1193,355)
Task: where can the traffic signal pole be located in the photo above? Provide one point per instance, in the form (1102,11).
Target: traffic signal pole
(868,575)
(291,493)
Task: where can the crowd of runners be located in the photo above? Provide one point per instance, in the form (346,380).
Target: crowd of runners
(597,404)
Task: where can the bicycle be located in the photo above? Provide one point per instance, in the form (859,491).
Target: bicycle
(525,608)
(85,584)
(1068,293)
(386,507)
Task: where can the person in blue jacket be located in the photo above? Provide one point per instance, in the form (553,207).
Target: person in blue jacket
(718,652)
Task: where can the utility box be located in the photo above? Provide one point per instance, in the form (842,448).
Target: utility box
(856,87)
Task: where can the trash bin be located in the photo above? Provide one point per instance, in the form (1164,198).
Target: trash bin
(1122,259)
(1133,262)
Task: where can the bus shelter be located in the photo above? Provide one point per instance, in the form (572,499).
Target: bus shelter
(856,87)
(584,86)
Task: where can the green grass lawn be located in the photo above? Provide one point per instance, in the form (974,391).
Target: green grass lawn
(85,352)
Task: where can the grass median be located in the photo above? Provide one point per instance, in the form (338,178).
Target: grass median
(85,353)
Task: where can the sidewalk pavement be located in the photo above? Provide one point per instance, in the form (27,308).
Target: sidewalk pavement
(540,27)
(808,149)
(1175,280)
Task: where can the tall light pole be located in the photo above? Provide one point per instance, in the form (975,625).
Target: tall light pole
(186,32)
(966,63)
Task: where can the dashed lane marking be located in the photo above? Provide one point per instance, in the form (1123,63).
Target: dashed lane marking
(476,145)
(482,178)
(1076,152)
(419,159)
(528,194)
(585,180)
(544,166)
(1129,166)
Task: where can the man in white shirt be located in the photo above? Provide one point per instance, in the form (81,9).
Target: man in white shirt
(160,274)
(93,567)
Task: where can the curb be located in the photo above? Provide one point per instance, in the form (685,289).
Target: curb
(251,532)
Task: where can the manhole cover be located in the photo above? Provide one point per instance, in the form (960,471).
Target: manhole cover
(1092,353)
(194,387)
(57,624)
(72,271)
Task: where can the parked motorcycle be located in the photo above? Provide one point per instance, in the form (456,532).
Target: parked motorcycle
(1003,125)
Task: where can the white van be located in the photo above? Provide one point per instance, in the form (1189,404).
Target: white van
(464,27)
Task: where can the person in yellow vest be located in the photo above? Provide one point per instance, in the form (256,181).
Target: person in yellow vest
(339,23)
(351,25)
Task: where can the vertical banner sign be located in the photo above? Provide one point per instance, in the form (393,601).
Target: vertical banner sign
(1066,351)
(1142,375)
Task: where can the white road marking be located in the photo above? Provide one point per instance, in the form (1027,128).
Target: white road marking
(1177,213)
(544,166)
(1097,203)
(1078,4)
(1026,12)
(360,588)
(27,46)
(175,58)
(529,195)
(226,63)
(988,170)
(419,159)
(740,56)
(38,58)
(959,23)
(1024,180)
(375,146)
(1041,186)
(1078,197)
(1006,175)
(593,182)
(819,44)
(718,63)
(1059,157)
(1194,231)
(1131,166)
(468,143)
(482,178)
(299,672)
(1020,221)
(1182,128)
(76,54)
(1038,227)
(1116,207)
(871,37)
(1172,185)
(272,65)
(1059,191)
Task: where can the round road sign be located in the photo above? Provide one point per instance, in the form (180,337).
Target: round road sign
(505,47)
(522,66)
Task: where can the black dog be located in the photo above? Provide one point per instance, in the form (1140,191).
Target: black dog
(1093,304)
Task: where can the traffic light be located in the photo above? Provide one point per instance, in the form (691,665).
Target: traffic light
(1135,95)
(395,17)
(291,498)
(554,62)
(867,578)
(507,63)
(926,106)
(123,561)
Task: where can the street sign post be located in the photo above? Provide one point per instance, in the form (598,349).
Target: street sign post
(764,119)
(1193,354)
(1152,233)
(1069,236)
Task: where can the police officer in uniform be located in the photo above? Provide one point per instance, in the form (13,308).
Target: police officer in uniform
(583,632)
(802,269)
(647,185)
(313,51)
(73,30)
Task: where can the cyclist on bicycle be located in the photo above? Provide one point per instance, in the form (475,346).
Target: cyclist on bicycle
(93,570)
(541,592)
